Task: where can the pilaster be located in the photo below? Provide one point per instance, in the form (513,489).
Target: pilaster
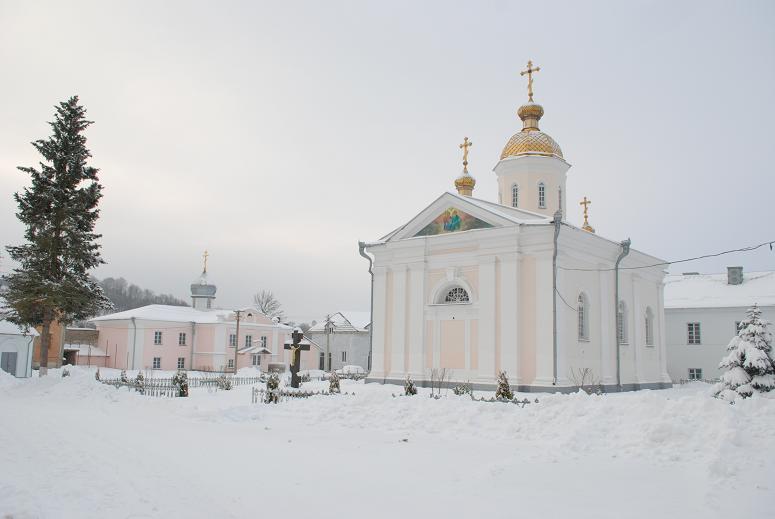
(509,265)
(416,325)
(486,357)
(397,348)
(378,323)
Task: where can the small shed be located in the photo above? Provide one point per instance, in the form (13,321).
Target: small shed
(16,348)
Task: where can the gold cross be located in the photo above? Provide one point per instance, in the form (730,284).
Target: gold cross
(205,258)
(466,144)
(586,225)
(529,73)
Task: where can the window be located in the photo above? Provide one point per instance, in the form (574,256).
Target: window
(344,356)
(649,327)
(515,196)
(181,339)
(695,373)
(181,362)
(541,195)
(322,363)
(456,295)
(248,341)
(621,323)
(693,333)
(232,340)
(256,359)
(157,363)
(583,315)
(231,363)
(262,341)
(157,337)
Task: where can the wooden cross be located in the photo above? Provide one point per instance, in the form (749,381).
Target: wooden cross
(466,144)
(295,357)
(205,260)
(529,73)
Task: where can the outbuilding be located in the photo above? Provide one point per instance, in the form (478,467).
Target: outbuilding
(16,348)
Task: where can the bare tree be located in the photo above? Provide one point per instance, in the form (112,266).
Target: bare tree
(584,379)
(268,304)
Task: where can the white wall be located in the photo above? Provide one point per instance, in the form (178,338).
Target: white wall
(717,327)
(22,345)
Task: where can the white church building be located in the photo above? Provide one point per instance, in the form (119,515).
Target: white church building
(478,287)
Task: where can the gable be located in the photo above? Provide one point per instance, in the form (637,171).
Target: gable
(453,220)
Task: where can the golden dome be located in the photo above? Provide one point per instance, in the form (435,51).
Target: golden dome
(465,184)
(531,141)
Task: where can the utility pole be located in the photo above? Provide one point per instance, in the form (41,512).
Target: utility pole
(236,342)
(329,330)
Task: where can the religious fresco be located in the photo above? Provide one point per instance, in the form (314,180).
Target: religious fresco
(452,220)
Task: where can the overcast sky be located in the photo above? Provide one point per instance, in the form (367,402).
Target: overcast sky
(276,135)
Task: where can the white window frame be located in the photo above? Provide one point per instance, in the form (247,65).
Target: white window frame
(344,356)
(181,363)
(230,363)
(583,317)
(157,338)
(256,359)
(695,373)
(693,334)
(248,341)
(514,195)
(262,341)
(541,195)
(232,340)
(182,339)
(156,363)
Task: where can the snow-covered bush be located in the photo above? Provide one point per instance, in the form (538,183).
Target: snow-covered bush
(224,383)
(65,373)
(139,379)
(462,389)
(749,364)
(409,387)
(180,380)
(333,383)
(504,390)
(123,376)
(272,385)
(305,377)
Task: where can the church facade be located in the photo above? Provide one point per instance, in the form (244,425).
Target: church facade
(474,287)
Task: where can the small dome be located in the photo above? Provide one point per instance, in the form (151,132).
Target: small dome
(531,140)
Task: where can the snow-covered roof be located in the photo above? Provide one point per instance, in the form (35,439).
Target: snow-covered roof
(8,328)
(170,313)
(85,351)
(345,321)
(713,290)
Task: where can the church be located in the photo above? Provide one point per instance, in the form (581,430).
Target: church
(475,287)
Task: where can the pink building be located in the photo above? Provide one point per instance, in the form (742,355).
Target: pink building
(198,337)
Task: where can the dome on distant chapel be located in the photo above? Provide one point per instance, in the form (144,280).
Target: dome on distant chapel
(531,141)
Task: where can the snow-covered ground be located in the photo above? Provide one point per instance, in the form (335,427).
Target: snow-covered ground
(74,448)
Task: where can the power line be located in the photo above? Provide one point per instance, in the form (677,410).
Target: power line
(564,301)
(744,249)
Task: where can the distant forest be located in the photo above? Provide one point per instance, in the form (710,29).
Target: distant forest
(126,296)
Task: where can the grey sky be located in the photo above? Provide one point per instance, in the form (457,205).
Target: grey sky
(276,135)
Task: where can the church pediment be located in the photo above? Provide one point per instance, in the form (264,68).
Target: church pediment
(450,214)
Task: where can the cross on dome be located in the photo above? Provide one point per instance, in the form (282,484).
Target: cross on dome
(530,70)
(466,144)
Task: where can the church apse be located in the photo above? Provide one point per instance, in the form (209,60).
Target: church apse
(452,220)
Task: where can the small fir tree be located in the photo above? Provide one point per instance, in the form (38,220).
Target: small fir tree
(58,211)
(409,387)
(180,380)
(504,390)
(333,383)
(749,364)
(140,379)
(123,376)
(272,384)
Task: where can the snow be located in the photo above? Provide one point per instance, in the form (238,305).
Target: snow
(347,320)
(713,291)
(74,448)
(9,328)
(169,313)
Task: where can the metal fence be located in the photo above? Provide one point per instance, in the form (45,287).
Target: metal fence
(165,387)
(704,380)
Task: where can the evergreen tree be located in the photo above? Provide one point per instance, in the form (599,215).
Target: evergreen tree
(409,387)
(504,390)
(59,211)
(749,364)
(333,383)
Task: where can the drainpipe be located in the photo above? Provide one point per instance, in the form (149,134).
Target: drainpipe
(625,251)
(193,342)
(134,341)
(361,251)
(557,221)
(29,355)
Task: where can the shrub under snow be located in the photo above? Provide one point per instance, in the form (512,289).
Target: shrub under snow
(749,364)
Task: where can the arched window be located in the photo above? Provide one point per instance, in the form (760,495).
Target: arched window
(621,323)
(649,327)
(583,315)
(456,295)
(515,196)
(541,195)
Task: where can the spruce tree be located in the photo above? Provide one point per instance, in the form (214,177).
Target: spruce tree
(503,391)
(59,210)
(749,364)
